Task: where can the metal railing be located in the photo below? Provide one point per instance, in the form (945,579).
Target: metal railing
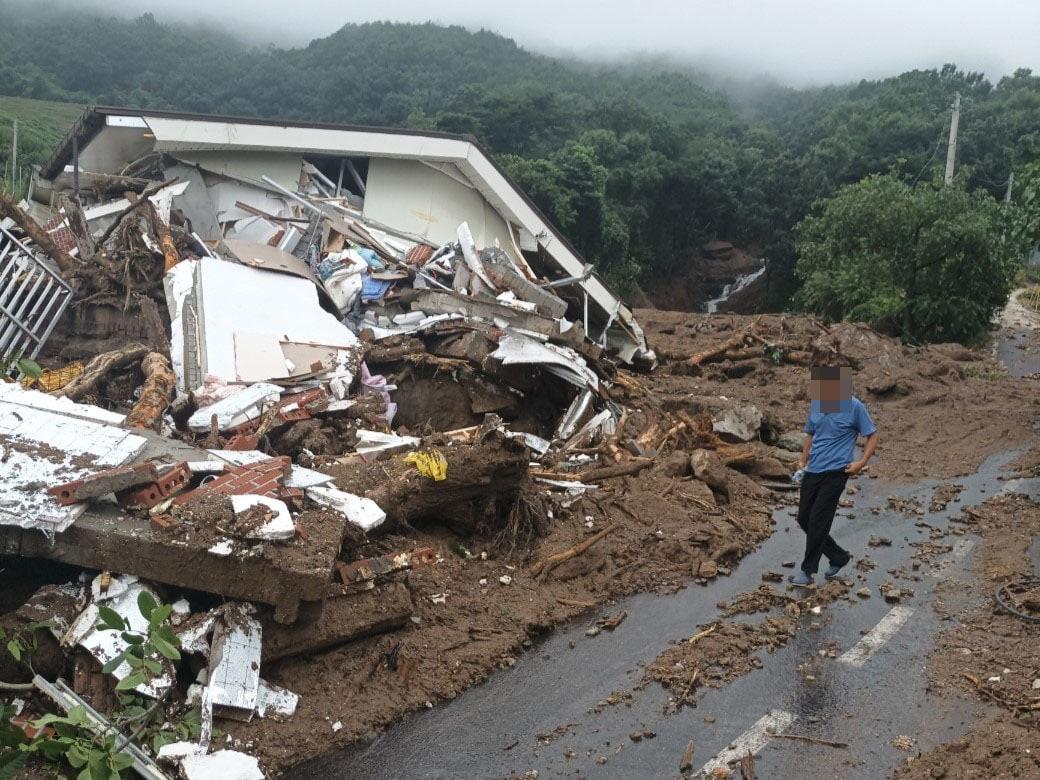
(32,298)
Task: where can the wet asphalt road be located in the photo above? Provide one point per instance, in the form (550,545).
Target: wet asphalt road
(491,731)
(1011,350)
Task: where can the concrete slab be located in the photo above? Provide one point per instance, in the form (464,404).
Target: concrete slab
(106,537)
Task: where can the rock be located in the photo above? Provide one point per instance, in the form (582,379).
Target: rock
(740,424)
(792,441)
(893,596)
(879,541)
(863,593)
(677,464)
(957,352)
(772,576)
(708,570)
(770,468)
(636,736)
(788,564)
(709,470)
(886,384)
(594,631)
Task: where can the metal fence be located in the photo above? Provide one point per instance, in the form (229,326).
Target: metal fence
(32,298)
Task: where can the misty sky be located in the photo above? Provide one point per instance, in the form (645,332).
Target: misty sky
(797,41)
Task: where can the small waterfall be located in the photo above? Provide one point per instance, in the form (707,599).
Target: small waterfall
(733,287)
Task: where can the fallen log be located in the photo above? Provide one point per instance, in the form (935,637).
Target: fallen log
(99,367)
(40,237)
(718,351)
(488,472)
(618,470)
(156,393)
(542,568)
(341,619)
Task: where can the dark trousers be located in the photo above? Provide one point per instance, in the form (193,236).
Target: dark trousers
(817,504)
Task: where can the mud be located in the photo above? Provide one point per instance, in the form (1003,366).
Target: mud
(668,533)
(479,606)
(994,747)
(989,655)
(927,398)
(717,654)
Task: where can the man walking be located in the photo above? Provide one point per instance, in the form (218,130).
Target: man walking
(836,419)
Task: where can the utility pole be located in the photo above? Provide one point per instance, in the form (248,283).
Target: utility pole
(14,152)
(951,151)
(1011,183)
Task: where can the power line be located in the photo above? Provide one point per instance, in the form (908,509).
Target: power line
(935,151)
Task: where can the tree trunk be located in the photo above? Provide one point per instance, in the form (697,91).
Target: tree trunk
(99,367)
(159,384)
(8,208)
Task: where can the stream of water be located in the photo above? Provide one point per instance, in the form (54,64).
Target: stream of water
(733,287)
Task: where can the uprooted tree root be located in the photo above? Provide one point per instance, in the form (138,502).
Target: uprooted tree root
(527,521)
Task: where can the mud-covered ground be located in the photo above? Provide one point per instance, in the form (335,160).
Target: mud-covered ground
(940,410)
(989,655)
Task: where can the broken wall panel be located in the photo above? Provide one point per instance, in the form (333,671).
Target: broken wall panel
(228,299)
(429,200)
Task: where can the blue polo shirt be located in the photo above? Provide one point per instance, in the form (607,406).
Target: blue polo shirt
(834,434)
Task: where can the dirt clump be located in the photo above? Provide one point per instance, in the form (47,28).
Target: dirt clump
(993,747)
(716,655)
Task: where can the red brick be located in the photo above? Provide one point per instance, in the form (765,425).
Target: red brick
(163,522)
(104,482)
(168,483)
(245,479)
(243,441)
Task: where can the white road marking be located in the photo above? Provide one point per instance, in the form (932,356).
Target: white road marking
(876,638)
(957,554)
(752,740)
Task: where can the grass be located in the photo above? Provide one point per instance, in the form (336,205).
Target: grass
(42,124)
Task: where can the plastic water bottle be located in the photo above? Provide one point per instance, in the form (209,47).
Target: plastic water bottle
(796,478)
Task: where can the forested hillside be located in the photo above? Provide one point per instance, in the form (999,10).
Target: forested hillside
(639,164)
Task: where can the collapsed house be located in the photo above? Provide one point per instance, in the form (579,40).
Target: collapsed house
(303,334)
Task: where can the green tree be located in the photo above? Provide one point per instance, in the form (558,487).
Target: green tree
(928,262)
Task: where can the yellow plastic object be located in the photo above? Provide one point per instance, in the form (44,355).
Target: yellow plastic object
(430,463)
(54,379)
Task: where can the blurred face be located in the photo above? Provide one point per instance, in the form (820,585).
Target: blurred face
(830,386)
